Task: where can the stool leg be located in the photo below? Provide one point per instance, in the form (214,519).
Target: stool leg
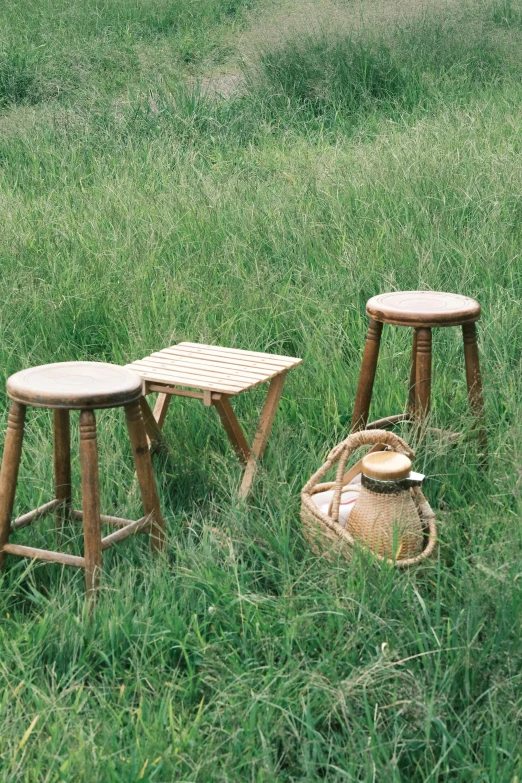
(90,502)
(473,377)
(413,375)
(9,473)
(367,376)
(62,467)
(423,373)
(145,474)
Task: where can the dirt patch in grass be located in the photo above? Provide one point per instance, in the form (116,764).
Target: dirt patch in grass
(273,26)
(220,86)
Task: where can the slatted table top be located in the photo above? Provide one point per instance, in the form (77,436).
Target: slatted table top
(211,367)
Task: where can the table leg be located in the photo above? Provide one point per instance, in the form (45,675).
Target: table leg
(161,408)
(233,428)
(145,473)
(154,422)
(264,429)
(249,457)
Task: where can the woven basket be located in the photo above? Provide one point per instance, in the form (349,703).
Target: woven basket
(324,531)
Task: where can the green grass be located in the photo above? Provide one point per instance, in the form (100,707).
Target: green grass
(137,210)
(508,13)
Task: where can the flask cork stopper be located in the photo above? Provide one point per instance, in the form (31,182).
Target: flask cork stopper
(386,466)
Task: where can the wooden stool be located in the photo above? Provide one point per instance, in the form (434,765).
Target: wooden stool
(422,311)
(83,386)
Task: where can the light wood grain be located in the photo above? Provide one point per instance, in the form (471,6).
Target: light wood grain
(9,472)
(218,373)
(124,532)
(145,474)
(75,385)
(106,390)
(45,554)
(259,363)
(264,429)
(243,374)
(166,390)
(38,513)
(173,378)
(62,467)
(474,380)
(105,519)
(422,311)
(423,308)
(233,429)
(286,361)
(388,421)
(213,380)
(413,375)
(161,408)
(90,502)
(386,465)
(363,396)
(155,437)
(423,373)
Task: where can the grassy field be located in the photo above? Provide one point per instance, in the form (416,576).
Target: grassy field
(249,172)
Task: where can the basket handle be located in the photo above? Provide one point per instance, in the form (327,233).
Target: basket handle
(354,471)
(357,468)
(377,438)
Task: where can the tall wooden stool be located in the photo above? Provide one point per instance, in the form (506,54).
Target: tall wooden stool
(83,386)
(422,311)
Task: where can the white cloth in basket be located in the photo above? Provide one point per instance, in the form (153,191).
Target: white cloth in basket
(323,500)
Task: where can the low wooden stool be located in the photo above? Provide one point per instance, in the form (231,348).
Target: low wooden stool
(215,374)
(83,386)
(422,311)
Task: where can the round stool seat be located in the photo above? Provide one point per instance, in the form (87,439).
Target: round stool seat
(75,385)
(423,308)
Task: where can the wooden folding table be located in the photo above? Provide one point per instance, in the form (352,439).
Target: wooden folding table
(214,374)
